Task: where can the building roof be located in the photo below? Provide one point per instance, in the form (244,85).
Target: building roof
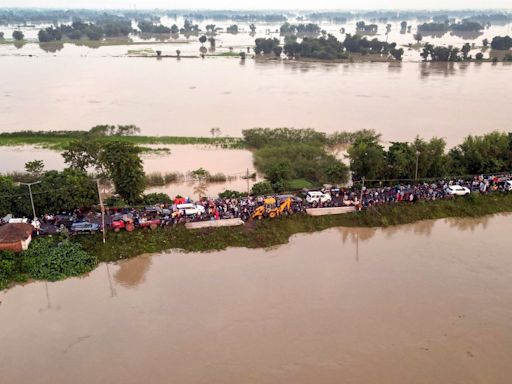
(11,233)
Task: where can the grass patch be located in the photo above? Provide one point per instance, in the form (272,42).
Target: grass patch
(225,54)
(298,184)
(59,140)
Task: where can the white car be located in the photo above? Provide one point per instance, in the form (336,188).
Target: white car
(457,190)
(191,209)
(508,185)
(317,197)
(18,221)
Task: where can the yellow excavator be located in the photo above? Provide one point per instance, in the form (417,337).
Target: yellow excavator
(271,209)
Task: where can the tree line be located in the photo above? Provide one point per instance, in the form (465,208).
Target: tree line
(489,153)
(326,47)
(287,155)
(93,31)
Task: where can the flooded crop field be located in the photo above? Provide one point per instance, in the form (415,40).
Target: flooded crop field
(424,303)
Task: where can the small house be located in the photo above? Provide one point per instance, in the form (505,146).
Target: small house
(15,237)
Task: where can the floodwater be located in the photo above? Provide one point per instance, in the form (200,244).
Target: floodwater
(178,158)
(190,45)
(424,303)
(182,159)
(190,96)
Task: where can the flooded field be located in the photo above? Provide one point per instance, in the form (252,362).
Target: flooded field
(424,303)
(180,159)
(240,41)
(191,96)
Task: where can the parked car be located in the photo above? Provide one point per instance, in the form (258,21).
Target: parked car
(152,211)
(295,199)
(85,227)
(508,186)
(65,220)
(6,218)
(457,190)
(19,220)
(191,209)
(317,197)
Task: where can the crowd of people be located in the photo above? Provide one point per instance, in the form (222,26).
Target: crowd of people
(432,190)
(182,210)
(243,208)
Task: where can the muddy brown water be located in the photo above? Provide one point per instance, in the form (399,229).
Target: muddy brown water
(189,97)
(182,159)
(424,303)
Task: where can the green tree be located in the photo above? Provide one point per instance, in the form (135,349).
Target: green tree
(489,153)
(397,53)
(401,161)
(367,158)
(35,167)
(466,48)
(18,35)
(232,29)
(83,154)
(336,172)
(7,192)
(124,167)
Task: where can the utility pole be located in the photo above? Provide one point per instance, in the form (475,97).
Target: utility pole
(102,211)
(417,161)
(31,198)
(247,178)
(362,189)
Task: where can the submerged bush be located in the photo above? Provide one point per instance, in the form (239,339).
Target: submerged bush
(47,260)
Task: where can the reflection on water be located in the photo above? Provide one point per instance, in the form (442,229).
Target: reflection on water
(132,272)
(421,228)
(431,296)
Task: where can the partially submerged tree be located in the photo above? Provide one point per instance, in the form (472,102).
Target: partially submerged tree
(35,167)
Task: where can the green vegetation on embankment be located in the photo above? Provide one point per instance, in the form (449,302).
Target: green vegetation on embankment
(46,261)
(269,233)
(60,140)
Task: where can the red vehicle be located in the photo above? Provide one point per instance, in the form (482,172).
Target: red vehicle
(145,222)
(123,222)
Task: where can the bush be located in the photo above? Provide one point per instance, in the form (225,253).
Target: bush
(156,198)
(262,188)
(261,137)
(228,194)
(299,184)
(298,161)
(10,268)
(217,178)
(47,260)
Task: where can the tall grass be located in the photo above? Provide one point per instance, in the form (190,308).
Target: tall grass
(59,140)
(156,179)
